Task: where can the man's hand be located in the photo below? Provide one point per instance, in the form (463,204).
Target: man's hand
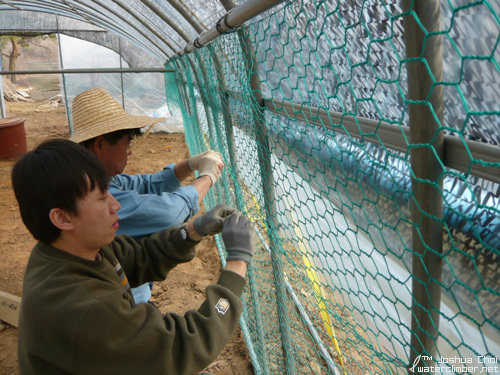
(197,162)
(208,163)
(239,237)
(212,222)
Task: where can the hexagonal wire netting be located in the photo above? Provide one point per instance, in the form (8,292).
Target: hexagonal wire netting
(339,284)
(362,138)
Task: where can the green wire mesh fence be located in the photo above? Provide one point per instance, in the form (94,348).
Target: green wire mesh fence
(362,139)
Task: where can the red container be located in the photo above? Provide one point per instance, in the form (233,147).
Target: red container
(12,137)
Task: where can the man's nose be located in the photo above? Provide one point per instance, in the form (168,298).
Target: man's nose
(115,205)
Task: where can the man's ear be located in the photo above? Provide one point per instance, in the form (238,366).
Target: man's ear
(98,145)
(61,219)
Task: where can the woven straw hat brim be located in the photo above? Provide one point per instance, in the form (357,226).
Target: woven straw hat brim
(123,122)
(96,113)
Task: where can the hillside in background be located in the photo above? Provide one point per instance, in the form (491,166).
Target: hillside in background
(39,53)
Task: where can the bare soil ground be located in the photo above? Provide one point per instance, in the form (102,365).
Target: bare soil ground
(184,288)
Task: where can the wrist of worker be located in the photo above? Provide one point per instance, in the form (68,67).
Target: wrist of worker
(238,266)
(210,176)
(242,255)
(182,170)
(192,234)
(190,165)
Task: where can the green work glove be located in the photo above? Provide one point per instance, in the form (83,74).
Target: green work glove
(239,237)
(212,222)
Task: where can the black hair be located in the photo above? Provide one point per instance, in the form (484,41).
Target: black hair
(114,137)
(54,175)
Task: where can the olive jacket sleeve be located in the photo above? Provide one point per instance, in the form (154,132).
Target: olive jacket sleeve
(78,318)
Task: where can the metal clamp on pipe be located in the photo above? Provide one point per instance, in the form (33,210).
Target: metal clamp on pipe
(197,43)
(222,26)
(223,21)
(238,15)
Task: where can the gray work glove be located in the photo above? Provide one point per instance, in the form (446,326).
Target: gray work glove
(212,222)
(239,237)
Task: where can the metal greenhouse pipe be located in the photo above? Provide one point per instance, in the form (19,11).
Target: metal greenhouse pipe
(332,366)
(61,60)
(120,16)
(267,177)
(146,23)
(232,19)
(90,13)
(203,82)
(259,325)
(188,16)
(221,90)
(82,71)
(425,71)
(169,21)
(3,111)
(456,149)
(253,354)
(229,132)
(266,172)
(241,14)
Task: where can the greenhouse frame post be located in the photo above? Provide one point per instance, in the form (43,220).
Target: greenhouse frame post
(204,100)
(424,59)
(213,122)
(3,111)
(228,123)
(229,132)
(121,74)
(232,155)
(63,78)
(195,109)
(266,172)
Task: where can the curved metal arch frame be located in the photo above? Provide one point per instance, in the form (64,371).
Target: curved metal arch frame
(100,13)
(145,37)
(91,18)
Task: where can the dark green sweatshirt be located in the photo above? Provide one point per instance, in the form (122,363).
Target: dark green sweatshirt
(77,318)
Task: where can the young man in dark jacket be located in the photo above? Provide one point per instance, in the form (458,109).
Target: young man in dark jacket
(77,314)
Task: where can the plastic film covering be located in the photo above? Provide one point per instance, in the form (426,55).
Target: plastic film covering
(24,21)
(153,25)
(28,22)
(131,22)
(207,12)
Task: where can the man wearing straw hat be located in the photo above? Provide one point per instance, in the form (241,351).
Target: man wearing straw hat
(149,202)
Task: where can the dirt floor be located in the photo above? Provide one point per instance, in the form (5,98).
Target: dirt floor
(183,290)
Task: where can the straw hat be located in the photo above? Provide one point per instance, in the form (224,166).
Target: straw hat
(96,113)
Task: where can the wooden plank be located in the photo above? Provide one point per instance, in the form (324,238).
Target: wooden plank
(9,308)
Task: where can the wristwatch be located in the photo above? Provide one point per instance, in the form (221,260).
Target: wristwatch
(185,235)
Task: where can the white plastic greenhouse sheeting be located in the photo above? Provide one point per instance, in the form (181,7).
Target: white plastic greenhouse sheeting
(142,94)
(161,28)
